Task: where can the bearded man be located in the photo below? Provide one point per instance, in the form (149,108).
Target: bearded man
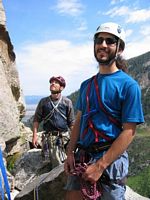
(57,114)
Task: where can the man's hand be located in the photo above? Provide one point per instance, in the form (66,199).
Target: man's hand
(34,141)
(35,130)
(92,173)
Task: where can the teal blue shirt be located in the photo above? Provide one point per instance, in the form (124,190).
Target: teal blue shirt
(120,95)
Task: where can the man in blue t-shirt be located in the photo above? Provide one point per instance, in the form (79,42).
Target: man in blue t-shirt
(109,108)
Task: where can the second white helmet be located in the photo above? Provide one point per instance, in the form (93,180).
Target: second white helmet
(114,29)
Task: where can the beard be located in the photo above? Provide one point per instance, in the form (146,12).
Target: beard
(110,59)
(55,91)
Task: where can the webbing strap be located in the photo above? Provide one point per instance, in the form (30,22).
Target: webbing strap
(52,111)
(55,108)
(2,167)
(90,124)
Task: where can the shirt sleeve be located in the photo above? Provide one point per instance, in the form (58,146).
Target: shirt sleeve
(132,106)
(38,113)
(81,97)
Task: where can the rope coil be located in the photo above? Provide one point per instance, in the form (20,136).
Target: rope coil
(89,191)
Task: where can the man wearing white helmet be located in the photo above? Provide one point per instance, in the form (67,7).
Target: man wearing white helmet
(57,114)
(109,108)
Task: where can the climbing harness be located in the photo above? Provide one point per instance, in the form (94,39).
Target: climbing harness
(90,125)
(4,175)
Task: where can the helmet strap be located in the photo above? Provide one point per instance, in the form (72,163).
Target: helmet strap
(118,45)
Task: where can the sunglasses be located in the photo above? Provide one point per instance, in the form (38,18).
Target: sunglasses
(109,41)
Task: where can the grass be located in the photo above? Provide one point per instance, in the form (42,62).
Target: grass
(139,157)
(141,182)
(11,161)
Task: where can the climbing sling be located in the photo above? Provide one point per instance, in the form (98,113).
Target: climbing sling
(96,132)
(55,108)
(4,175)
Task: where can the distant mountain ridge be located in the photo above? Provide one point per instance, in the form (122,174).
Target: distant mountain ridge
(32,99)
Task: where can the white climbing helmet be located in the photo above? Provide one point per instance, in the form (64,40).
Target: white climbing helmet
(114,29)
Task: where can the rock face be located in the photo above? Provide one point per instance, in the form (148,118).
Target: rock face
(47,186)
(11,99)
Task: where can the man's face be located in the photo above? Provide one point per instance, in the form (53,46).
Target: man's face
(55,87)
(105,47)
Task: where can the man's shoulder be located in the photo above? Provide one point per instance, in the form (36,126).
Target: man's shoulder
(85,82)
(66,101)
(64,98)
(127,78)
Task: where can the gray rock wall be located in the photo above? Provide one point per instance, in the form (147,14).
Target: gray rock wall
(11,100)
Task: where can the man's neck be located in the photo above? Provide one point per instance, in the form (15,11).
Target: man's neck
(56,96)
(104,69)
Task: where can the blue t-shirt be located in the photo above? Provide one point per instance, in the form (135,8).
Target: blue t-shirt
(120,95)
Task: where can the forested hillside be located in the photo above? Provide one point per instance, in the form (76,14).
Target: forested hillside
(139,68)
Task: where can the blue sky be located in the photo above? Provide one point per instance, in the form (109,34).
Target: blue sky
(55,37)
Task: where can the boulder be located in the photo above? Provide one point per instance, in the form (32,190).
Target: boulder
(48,186)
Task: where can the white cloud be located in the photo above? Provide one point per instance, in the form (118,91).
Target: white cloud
(131,15)
(137,47)
(38,62)
(116,1)
(138,16)
(118,11)
(128,32)
(145,30)
(83,26)
(71,7)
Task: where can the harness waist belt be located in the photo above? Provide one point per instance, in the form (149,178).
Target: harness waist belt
(96,147)
(54,133)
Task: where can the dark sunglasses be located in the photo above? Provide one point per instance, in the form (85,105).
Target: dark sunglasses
(109,41)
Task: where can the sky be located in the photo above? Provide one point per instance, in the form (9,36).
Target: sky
(55,37)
